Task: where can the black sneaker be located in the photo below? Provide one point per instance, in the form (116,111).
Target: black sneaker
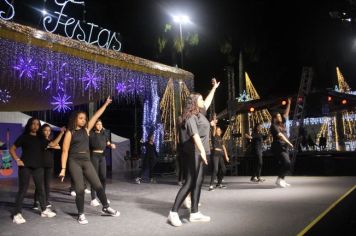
(48,204)
(261,180)
(110,211)
(36,206)
(254,179)
(221,186)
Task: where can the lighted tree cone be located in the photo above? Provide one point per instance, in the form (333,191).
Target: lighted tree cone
(184,93)
(169,115)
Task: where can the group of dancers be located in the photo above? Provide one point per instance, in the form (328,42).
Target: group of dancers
(85,142)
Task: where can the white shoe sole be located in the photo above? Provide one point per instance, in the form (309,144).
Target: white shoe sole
(199,220)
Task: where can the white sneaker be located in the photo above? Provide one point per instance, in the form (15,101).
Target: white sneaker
(73,193)
(82,220)
(87,191)
(287,185)
(281,183)
(198,217)
(110,211)
(94,203)
(48,213)
(18,219)
(138,180)
(173,219)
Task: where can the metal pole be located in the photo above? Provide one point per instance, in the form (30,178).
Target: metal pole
(182,44)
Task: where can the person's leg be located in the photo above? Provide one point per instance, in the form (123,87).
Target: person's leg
(38,178)
(95,161)
(222,169)
(102,171)
(259,164)
(215,161)
(76,172)
(47,183)
(93,179)
(199,178)
(285,164)
(23,181)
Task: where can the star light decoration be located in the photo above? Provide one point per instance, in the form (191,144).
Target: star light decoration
(91,79)
(26,68)
(4,96)
(121,87)
(56,78)
(61,103)
(244,97)
(135,86)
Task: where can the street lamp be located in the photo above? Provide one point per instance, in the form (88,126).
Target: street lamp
(181,19)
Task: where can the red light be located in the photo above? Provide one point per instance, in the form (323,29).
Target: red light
(344,102)
(284,102)
(300,99)
(330,98)
(252,109)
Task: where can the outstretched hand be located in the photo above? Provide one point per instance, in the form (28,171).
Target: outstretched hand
(108,101)
(215,83)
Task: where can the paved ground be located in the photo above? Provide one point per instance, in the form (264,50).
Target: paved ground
(241,209)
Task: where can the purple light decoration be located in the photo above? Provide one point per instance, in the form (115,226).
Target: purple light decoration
(55,77)
(4,96)
(121,87)
(61,103)
(91,79)
(26,67)
(135,86)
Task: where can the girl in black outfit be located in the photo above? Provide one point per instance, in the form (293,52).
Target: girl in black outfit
(30,163)
(257,141)
(195,132)
(76,149)
(219,153)
(48,156)
(99,140)
(280,146)
(150,158)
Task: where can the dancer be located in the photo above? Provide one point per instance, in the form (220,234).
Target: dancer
(218,155)
(98,142)
(280,147)
(48,162)
(257,139)
(30,163)
(195,133)
(149,160)
(76,150)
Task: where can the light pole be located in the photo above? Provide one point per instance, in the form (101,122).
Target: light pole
(181,19)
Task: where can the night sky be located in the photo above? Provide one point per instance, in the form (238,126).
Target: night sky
(277,37)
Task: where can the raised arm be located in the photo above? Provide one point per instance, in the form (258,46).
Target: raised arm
(65,149)
(287,110)
(98,113)
(210,96)
(55,142)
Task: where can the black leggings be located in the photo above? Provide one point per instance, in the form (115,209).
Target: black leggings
(281,152)
(47,176)
(24,181)
(194,181)
(80,167)
(181,168)
(148,164)
(258,167)
(99,162)
(219,168)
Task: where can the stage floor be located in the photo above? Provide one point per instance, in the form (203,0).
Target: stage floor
(243,208)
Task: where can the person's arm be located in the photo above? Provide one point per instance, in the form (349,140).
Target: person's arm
(14,156)
(200,147)
(65,149)
(284,138)
(98,113)
(287,110)
(55,143)
(248,136)
(225,153)
(210,96)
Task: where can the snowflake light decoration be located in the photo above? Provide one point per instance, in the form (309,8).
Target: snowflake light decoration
(26,68)
(91,79)
(121,87)
(244,97)
(4,96)
(61,103)
(55,77)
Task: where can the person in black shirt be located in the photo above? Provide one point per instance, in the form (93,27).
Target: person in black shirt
(99,140)
(30,163)
(76,150)
(280,146)
(219,153)
(195,133)
(257,142)
(149,160)
(48,156)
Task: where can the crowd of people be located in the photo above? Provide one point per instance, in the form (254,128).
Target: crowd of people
(83,152)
